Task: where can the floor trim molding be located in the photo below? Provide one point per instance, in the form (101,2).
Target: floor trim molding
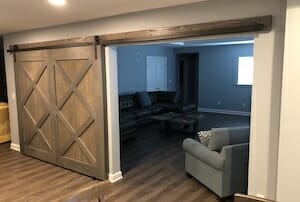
(115,177)
(224,111)
(15,147)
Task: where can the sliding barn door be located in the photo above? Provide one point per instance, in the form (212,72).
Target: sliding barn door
(35,105)
(61,107)
(80,111)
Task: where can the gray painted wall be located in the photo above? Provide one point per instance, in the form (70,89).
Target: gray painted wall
(132,67)
(218,67)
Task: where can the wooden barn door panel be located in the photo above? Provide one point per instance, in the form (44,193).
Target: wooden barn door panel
(34,78)
(61,107)
(80,112)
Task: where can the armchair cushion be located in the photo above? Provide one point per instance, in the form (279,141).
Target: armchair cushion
(221,137)
(201,152)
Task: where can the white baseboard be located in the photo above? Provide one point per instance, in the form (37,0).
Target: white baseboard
(15,147)
(224,111)
(115,177)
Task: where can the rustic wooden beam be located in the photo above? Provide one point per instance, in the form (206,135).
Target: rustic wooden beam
(244,25)
(250,25)
(65,43)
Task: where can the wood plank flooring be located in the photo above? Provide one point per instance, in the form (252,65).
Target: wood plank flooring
(26,179)
(160,176)
(153,166)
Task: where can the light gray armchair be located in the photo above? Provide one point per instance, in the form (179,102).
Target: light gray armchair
(222,166)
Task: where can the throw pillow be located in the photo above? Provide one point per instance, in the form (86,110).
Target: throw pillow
(144,99)
(176,98)
(204,137)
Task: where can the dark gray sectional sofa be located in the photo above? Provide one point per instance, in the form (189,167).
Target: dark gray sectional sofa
(133,113)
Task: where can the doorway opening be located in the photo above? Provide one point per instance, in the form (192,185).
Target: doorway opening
(188,64)
(152,136)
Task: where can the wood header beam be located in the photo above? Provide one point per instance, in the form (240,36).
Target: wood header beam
(65,43)
(254,24)
(244,25)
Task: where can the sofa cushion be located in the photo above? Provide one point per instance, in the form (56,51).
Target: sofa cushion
(127,124)
(221,137)
(153,97)
(141,113)
(204,137)
(128,115)
(167,96)
(156,109)
(126,102)
(180,108)
(144,99)
(188,107)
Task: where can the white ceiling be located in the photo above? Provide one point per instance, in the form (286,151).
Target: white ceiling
(19,15)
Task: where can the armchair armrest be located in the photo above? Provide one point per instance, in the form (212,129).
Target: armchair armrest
(236,166)
(238,153)
(201,152)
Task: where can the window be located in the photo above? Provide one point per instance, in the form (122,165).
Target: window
(245,71)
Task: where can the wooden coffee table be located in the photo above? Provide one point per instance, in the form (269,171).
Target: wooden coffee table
(186,125)
(165,120)
(197,117)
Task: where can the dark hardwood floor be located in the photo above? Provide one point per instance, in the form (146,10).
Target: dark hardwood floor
(212,120)
(153,168)
(24,179)
(153,165)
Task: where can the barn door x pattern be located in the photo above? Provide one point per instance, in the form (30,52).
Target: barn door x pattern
(62,115)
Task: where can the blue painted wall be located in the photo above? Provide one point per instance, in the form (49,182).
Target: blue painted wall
(218,67)
(132,67)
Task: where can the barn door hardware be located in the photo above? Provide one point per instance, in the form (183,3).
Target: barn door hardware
(65,43)
(96,42)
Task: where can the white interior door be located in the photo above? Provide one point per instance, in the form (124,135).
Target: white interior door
(156,73)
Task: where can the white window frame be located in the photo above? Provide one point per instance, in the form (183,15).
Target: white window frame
(246,64)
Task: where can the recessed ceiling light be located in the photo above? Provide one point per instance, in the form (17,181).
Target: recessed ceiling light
(178,43)
(57,2)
